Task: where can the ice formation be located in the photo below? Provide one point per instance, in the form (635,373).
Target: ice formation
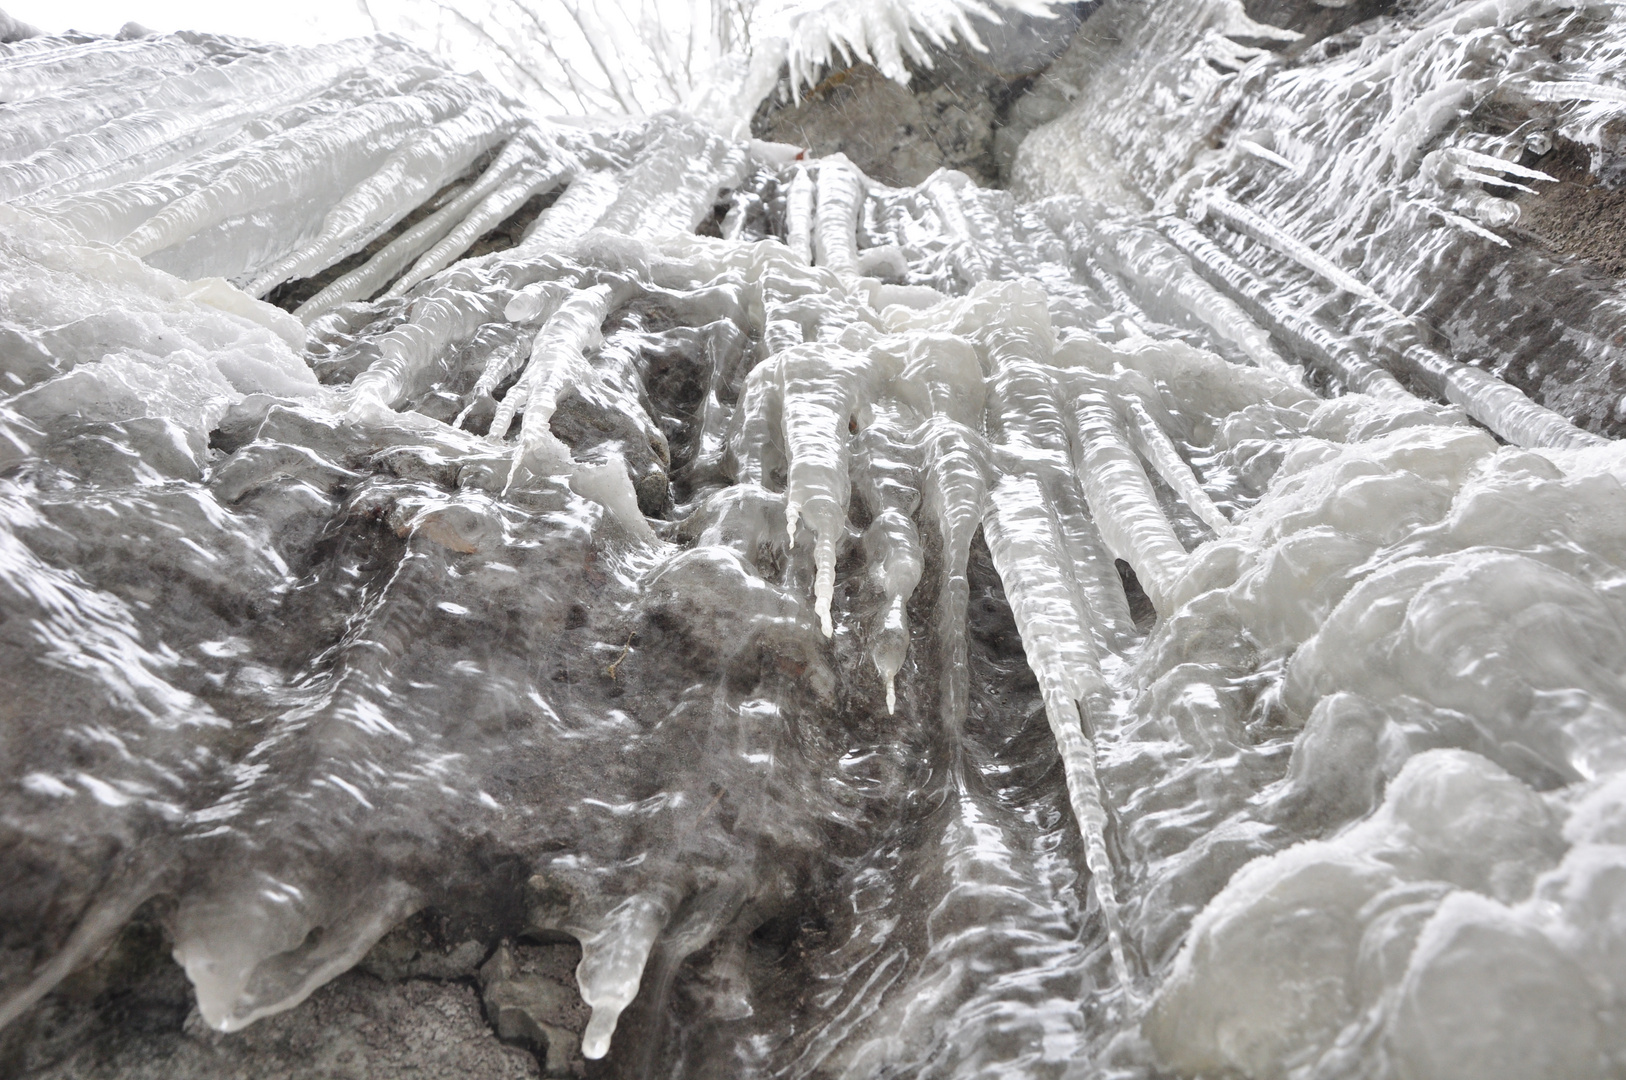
(1166,621)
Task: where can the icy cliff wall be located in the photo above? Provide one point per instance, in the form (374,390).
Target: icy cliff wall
(885,631)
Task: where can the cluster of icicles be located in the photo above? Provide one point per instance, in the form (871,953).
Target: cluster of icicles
(1354,804)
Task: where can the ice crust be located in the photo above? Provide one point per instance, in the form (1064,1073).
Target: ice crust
(912,633)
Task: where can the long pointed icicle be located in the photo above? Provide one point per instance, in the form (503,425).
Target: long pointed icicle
(1159,267)
(1159,451)
(1268,232)
(447,313)
(556,363)
(1329,352)
(1052,621)
(1122,500)
(817,382)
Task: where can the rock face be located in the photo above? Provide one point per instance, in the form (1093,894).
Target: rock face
(959,114)
(647,605)
(131,1016)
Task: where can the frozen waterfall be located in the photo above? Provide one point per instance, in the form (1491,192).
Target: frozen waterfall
(1164,619)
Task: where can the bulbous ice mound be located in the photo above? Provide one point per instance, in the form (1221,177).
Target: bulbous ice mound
(895,632)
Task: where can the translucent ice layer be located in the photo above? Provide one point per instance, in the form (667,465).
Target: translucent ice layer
(1135,631)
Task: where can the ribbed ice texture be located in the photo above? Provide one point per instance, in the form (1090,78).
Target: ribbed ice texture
(1175,675)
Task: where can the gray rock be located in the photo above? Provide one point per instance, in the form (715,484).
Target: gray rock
(131,1016)
(531,999)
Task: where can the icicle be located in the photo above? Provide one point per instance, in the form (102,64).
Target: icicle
(556,363)
(533,302)
(673,185)
(1122,500)
(317,161)
(890,490)
(1268,233)
(27,126)
(537,300)
(819,385)
(799,216)
(580,207)
(612,965)
(1561,91)
(1057,639)
(1507,411)
(1157,449)
(436,320)
(1161,269)
(954,489)
(944,188)
(1504,409)
(841,192)
(66,67)
(1266,154)
(1333,355)
(492,211)
(373,275)
(411,174)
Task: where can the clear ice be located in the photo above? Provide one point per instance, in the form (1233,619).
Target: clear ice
(1166,619)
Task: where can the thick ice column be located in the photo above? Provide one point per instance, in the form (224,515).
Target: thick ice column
(53,71)
(1504,409)
(406,179)
(1122,500)
(373,275)
(208,107)
(942,376)
(799,216)
(30,125)
(841,193)
(580,207)
(110,213)
(1053,624)
(1507,411)
(673,185)
(317,160)
(943,188)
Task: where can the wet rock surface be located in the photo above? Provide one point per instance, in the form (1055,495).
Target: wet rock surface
(963,113)
(131,1015)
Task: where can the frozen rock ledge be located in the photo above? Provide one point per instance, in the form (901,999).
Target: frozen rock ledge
(489,596)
